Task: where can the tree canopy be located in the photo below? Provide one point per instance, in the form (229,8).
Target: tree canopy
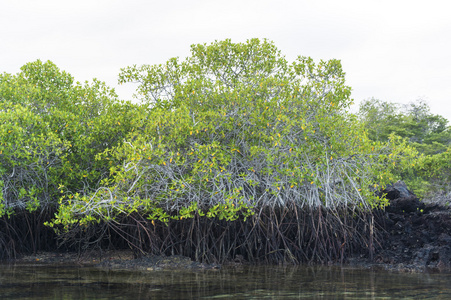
(233,128)
(428,133)
(50,131)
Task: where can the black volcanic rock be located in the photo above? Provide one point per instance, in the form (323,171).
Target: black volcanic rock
(401,198)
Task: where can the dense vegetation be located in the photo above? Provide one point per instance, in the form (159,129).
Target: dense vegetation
(429,134)
(231,151)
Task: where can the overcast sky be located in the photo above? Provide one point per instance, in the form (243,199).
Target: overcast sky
(393,50)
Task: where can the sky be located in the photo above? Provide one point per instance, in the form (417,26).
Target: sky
(392,50)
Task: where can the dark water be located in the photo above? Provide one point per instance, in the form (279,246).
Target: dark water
(63,282)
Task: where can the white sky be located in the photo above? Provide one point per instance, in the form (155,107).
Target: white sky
(393,50)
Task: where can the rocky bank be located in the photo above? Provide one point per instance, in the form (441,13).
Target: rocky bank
(412,236)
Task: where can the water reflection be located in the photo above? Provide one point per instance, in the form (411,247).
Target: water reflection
(35,281)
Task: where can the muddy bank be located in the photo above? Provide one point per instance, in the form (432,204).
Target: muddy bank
(410,236)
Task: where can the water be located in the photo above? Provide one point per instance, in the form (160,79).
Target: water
(35,281)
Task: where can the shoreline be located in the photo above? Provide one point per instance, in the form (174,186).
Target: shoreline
(412,237)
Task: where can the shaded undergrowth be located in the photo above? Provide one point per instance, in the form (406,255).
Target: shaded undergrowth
(286,235)
(25,232)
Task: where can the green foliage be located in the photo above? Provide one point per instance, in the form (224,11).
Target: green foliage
(29,154)
(437,169)
(50,132)
(230,130)
(429,134)
(234,128)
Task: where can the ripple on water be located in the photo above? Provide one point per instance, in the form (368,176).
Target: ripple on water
(262,282)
